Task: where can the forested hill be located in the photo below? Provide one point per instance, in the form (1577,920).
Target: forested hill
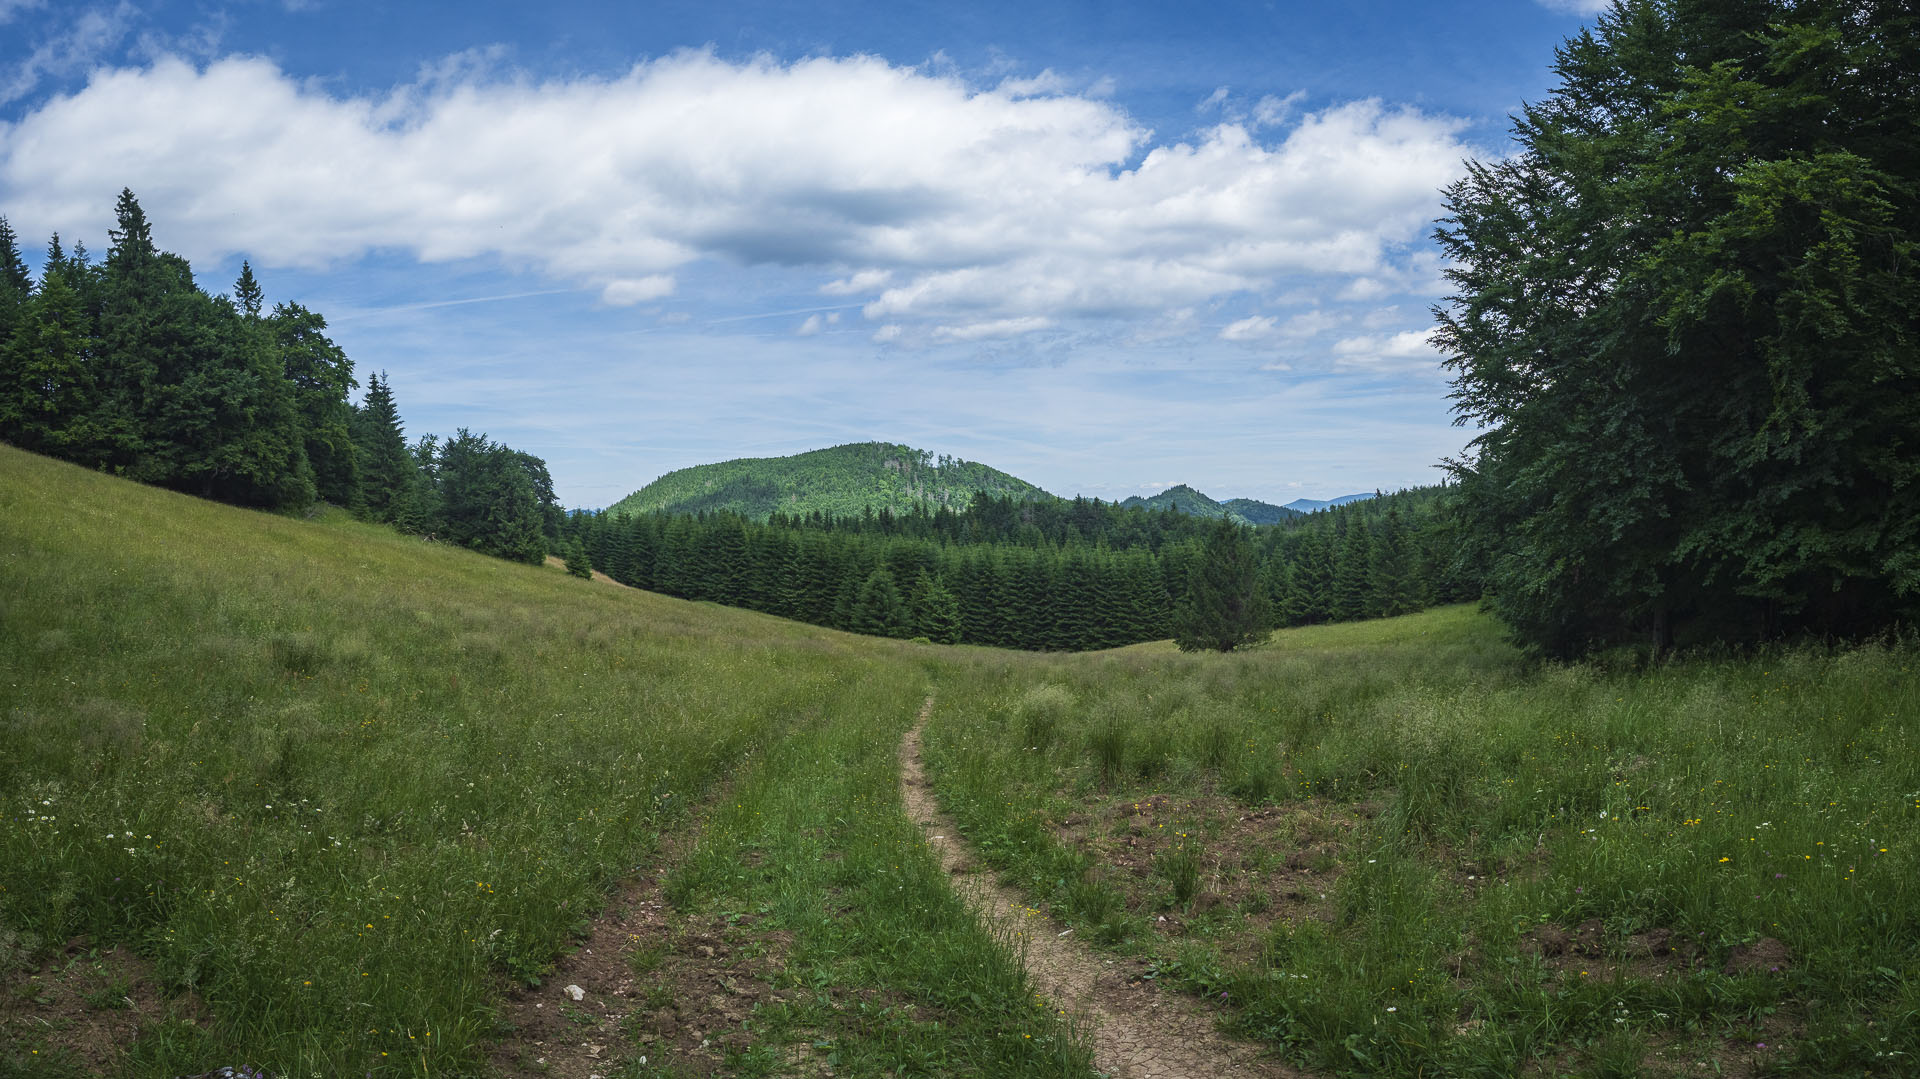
(1186,500)
(843,481)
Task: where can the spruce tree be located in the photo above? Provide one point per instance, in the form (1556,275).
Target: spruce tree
(577,563)
(877,608)
(1395,588)
(319,376)
(47,391)
(936,613)
(1224,607)
(246,292)
(16,285)
(1352,595)
(386,469)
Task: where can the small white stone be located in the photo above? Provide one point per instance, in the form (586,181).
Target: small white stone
(574,991)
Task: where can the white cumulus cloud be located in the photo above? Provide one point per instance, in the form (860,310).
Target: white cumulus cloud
(954,206)
(1376,349)
(628,291)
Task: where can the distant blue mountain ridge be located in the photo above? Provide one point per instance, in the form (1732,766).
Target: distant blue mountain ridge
(1308,505)
(1186,500)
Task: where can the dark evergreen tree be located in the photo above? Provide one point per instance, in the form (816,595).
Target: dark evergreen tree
(1313,572)
(16,285)
(1395,589)
(1687,325)
(320,376)
(246,292)
(936,614)
(47,389)
(1224,607)
(387,473)
(1352,596)
(877,607)
(487,501)
(577,563)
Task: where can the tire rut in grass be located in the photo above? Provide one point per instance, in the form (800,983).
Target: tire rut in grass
(1138,1032)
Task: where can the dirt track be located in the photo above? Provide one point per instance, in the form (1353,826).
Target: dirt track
(1138,1032)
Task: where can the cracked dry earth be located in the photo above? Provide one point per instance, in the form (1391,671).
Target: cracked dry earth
(1137,1030)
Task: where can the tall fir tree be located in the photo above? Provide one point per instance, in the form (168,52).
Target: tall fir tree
(1352,594)
(877,607)
(16,285)
(936,613)
(1224,607)
(387,474)
(247,295)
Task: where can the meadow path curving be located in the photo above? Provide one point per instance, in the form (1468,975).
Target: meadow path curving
(1137,1030)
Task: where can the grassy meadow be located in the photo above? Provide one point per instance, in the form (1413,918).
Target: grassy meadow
(345,791)
(344,787)
(1392,848)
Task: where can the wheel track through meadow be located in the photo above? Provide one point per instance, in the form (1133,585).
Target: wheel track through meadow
(1137,1030)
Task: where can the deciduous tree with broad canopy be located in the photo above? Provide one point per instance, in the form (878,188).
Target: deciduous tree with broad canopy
(1687,326)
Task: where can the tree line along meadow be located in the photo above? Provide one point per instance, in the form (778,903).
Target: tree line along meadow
(1039,575)
(129,367)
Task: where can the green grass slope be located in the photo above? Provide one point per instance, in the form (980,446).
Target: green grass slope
(1391,848)
(843,481)
(345,786)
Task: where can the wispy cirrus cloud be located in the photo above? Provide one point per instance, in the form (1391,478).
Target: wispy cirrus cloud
(77,47)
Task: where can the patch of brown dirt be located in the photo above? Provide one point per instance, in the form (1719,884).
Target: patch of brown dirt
(561,563)
(1138,1031)
(1587,952)
(85,1006)
(1765,956)
(1246,884)
(654,987)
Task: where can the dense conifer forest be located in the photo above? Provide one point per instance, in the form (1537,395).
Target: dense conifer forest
(129,367)
(1046,575)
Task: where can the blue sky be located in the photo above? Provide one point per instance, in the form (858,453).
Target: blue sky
(1107,247)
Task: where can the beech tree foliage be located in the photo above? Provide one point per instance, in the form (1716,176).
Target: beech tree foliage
(1687,326)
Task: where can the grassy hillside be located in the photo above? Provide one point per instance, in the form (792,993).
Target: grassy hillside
(843,481)
(347,796)
(343,788)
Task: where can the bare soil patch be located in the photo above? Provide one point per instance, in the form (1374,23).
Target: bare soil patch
(1257,868)
(1137,1030)
(83,1007)
(561,563)
(644,983)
